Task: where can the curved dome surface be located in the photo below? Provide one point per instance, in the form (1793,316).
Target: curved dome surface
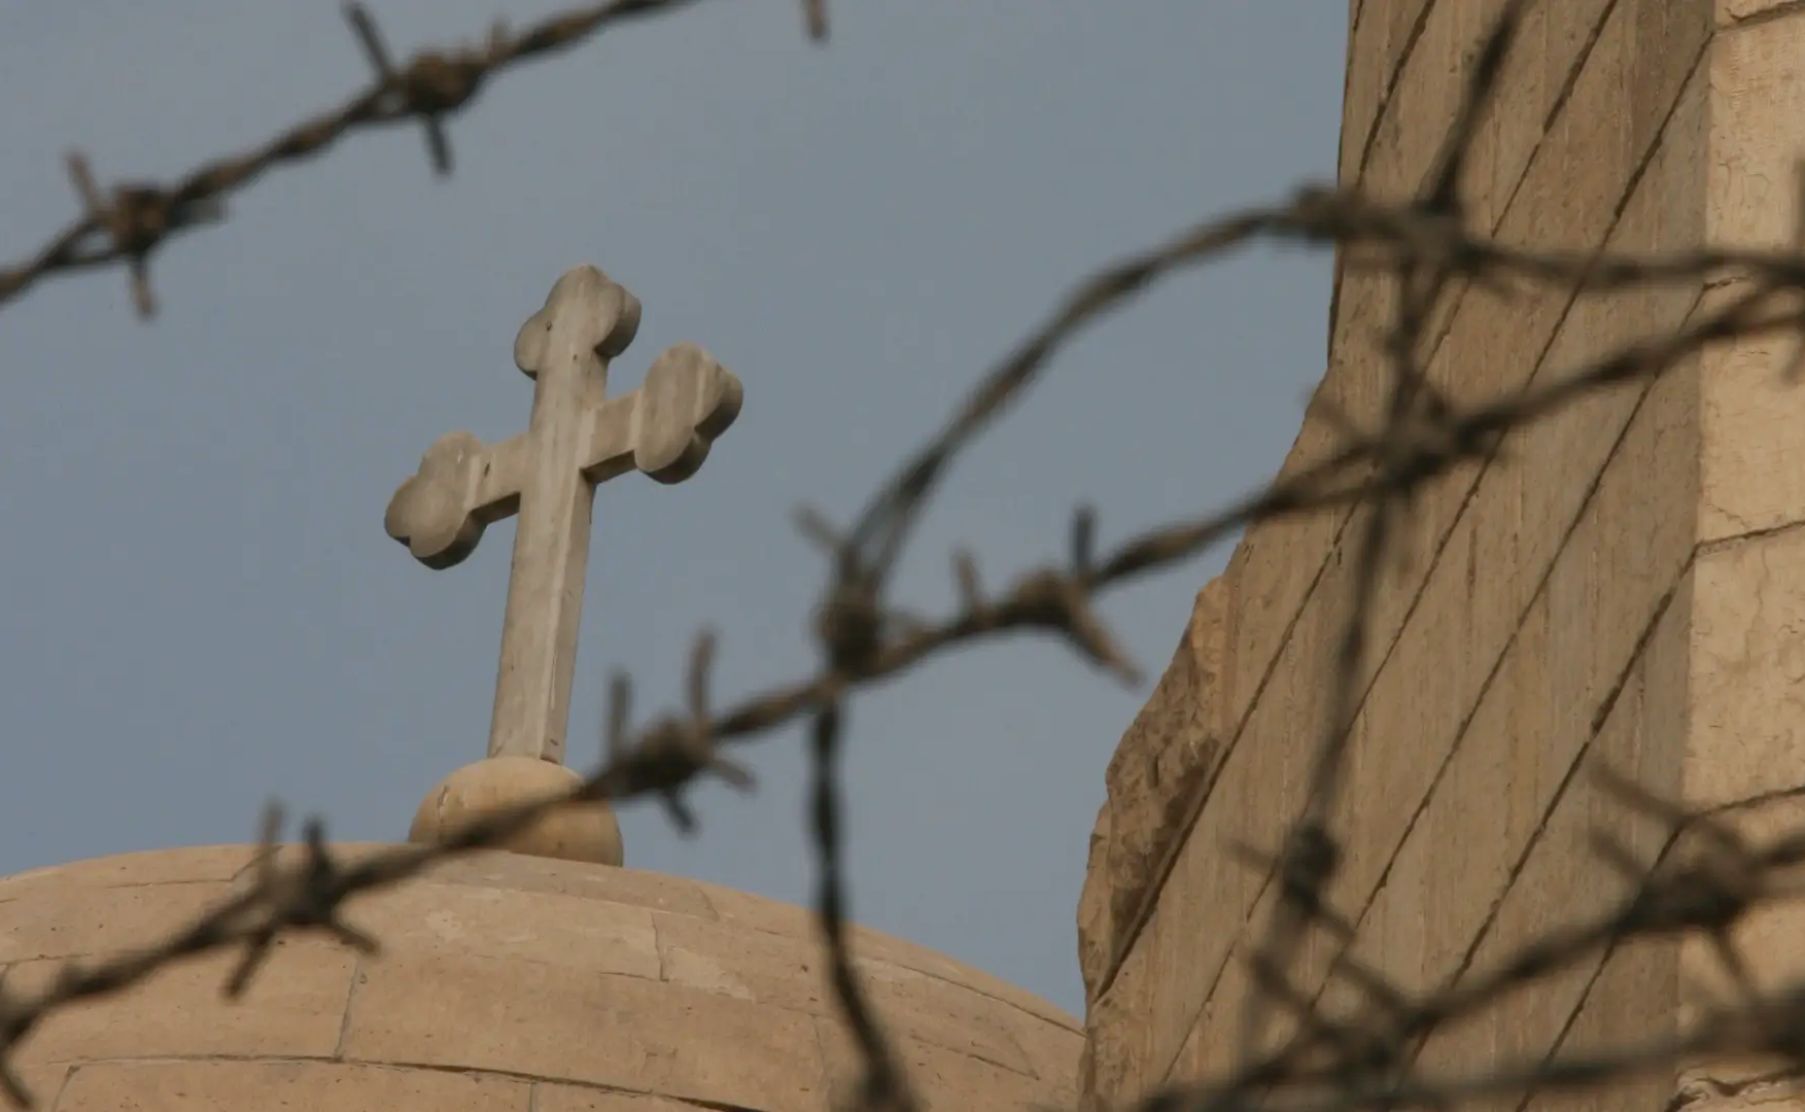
(506,983)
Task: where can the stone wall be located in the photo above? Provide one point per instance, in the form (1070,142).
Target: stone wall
(1626,587)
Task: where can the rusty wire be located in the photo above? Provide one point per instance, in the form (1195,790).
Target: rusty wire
(127,224)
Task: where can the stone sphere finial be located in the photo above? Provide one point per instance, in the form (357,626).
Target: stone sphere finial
(577,832)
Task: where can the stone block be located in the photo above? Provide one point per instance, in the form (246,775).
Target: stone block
(1053,1049)
(633,887)
(1426,94)
(56,923)
(789,972)
(200,863)
(43,1081)
(550,1022)
(1154,781)
(1756,134)
(1766,940)
(1732,12)
(294,1006)
(922,1007)
(1115,1062)
(1553,42)
(756,913)
(1509,759)
(552,1097)
(1752,461)
(1569,195)
(1630,1005)
(1746,658)
(1378,37)
(570,931)
(1205,902)
(1751,453)
(785,970)
(1558,882)
(1096,909)
(1523,620)
(214,1085)
(946,1080)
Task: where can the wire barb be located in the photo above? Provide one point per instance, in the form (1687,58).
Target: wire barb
(815,13)
(433,97)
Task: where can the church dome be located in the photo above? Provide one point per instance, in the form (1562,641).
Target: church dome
(505,983)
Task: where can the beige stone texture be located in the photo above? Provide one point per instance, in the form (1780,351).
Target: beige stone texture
(1751,482)
(506,982)
(1570,193)
(1748,656)
(1733,12)
(944,1080)
(294,1007)
(549,1097)
(629,887)
(1739,748)
(1155,778)
(1622,588)
(112,917)
(128,869)
(1615,1009)
(536,1018)
(741,909)
(584,831)
(1118,1026)
(1478,548)
(229,1086)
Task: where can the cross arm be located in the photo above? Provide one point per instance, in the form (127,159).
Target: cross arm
(461,487)
(666,427)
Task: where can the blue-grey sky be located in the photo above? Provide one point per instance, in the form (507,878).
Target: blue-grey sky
(201,609)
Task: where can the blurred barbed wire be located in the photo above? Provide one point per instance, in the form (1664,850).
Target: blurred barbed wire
(126,224)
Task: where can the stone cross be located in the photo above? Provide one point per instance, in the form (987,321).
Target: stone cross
(547,475)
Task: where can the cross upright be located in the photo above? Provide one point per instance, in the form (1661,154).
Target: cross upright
(577,437)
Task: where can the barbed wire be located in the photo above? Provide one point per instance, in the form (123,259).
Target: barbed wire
(127,224)
(1331,1063)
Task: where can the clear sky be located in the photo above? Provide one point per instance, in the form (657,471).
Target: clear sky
(201,609)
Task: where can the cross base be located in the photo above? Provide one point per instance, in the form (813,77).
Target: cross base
(573,832)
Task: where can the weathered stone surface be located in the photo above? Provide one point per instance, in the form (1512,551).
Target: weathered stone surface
(228,1086)
(292,1008)
(1534,602)
(790,972)
(1096,913)
(1380,36)
(741,909)
(1748,636)
(1752,480)
(1629,1003)
(1592,149)
(1425,93)
(944,1080)
(551,1097)
(494,922)
(505,982)
(536,1019)
(40,924)
(1117,1028)
(200,863)
(632,887)
(1156,776)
